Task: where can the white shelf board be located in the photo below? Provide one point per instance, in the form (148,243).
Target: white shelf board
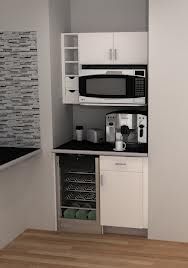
(71,61)
(71,48)
(71,75)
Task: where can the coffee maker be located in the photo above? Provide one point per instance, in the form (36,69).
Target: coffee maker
(128,127)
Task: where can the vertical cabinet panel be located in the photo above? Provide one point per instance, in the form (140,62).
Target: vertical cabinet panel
(121,199)
(96,48)
(145,191)
(130,48)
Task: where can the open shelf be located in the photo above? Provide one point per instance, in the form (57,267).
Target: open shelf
(71,55)
(70,62)
(71,68)
(70,40)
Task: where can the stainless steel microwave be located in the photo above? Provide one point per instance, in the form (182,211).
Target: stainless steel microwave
(113,85)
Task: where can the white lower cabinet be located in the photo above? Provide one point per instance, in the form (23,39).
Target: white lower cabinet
(123,192)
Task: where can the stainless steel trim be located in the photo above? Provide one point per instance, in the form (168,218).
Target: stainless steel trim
(111,54)
(58,190)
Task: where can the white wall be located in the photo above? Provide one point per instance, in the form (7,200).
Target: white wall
(59,11)
(109,15)
(168,131)
(35,177)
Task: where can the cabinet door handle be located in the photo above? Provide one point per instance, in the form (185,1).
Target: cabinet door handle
(115,54)
(110,52)
(120,164)
(102,180)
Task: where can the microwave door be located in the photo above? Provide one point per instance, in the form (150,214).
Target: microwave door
(113,90)
(103,86)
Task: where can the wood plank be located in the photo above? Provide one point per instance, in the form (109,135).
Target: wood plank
(53,249)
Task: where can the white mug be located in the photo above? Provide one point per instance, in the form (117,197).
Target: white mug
(120,146)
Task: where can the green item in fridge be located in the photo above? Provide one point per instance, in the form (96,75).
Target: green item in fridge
(81,214)
(70,213)
(92,215)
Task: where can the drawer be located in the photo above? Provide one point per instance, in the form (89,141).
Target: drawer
(71,83)
(115,163)
(72,96)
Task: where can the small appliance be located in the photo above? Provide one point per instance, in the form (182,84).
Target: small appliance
(95,135)
(79,133)
(132,126)
(113,85)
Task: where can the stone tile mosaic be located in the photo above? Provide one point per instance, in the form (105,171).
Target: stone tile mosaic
(19,90)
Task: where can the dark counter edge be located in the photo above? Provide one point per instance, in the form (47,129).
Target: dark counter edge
(9,154)
(85,146)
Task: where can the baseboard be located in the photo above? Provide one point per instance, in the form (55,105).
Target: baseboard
(125,231)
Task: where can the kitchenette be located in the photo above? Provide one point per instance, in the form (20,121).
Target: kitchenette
(102,172)
(87,97)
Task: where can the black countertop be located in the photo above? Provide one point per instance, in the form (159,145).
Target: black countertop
(8,154)
(107,147)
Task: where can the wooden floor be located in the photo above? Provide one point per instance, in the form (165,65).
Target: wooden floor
(50,249)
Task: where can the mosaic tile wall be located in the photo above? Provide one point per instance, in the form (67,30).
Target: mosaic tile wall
(19,86)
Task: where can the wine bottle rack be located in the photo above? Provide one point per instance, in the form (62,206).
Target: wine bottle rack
(86,197)
(84,188)
(79,178)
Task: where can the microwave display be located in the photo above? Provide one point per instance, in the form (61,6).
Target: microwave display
(106,86)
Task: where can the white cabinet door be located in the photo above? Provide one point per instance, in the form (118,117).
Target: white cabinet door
(95,48)
(130,48)
(121,201)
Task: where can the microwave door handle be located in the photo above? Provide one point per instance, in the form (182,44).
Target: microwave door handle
(114,72)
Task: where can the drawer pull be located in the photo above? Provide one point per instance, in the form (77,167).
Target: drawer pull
(120,164)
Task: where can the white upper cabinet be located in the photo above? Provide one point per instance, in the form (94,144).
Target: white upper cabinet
(113,48)
(130,48)
(96,48)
